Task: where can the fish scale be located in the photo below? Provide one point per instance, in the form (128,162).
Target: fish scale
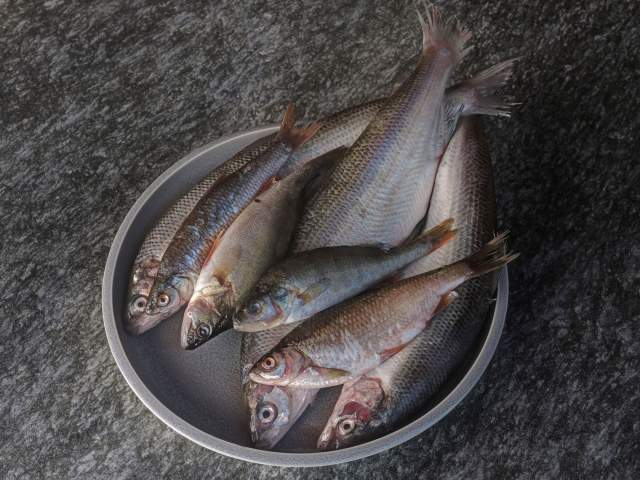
(464,191)
(379,191)
(252,347)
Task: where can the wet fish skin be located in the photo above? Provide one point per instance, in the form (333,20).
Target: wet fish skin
(396,390)
(340,344)
(339,129)
(145,266)
(183,259)
(282,405)
(312,281)
(377,192)
(257,238)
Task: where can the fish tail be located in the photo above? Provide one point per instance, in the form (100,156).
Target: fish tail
(490,257)
(437,236)
(477,95)
(292,135)
(442,35)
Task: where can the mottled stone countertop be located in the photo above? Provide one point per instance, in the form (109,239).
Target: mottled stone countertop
(98,98)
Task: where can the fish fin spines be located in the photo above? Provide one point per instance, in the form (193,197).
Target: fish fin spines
(477,94)
(292,135)
(490,257)
(436,32)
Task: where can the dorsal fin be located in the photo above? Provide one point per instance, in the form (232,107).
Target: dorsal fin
(292,135)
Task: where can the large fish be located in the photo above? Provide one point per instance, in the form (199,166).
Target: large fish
(255,240)
(272,409)
(342,343)
(312,281)
(396,390)
(377,192)
(214,213)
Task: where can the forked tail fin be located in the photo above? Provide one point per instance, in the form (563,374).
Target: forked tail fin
(477,96)
(442,35)
(489,258)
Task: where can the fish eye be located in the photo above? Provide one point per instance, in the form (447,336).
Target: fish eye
(254,308)
(163,299)
(204,330)
(267,413)
(279,293)
(346,426)
(139,303)
(268,364)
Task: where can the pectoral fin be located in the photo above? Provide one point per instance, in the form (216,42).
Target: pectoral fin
(314,291)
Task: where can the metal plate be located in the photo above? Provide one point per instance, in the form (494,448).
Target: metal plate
(197,393)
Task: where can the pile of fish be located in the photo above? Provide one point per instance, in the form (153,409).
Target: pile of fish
(333,248)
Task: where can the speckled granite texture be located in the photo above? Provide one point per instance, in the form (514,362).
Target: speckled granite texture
(98,98)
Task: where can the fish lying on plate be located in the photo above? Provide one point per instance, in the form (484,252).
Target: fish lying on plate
(339,129)
(273,410)
(255,240)
(315,280)
(336,130)
(391,393)
(381,188)
(214,213)
(342,343)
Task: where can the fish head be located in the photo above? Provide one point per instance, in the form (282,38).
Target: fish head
(144,274)
(165,298)
(354,416)
(203,319)
(273,411)
(269,306)
(279,367)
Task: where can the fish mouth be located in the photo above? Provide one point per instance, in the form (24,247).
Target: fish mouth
(324,441)
(191,336)
(141,323)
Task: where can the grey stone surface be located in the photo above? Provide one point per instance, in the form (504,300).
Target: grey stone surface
(98,98)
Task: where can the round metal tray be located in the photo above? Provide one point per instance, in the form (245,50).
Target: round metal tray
(197,393)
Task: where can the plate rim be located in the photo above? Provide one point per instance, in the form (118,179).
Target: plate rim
(265,457)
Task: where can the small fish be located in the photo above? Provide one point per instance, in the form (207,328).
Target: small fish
(397,389)
(339,129)
(312,281)
(377,192)
(336,130)
(145,266)
(214,213)
(273,410)
(257,238)
(382,187)
(340,344)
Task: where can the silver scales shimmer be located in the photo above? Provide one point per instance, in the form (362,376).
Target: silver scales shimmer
(206,405)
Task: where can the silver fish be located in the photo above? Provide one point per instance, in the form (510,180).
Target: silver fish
(312,281)
(255,240)
(145,266)
(214,213)
(340,344)
(391,393)
(337,130)
(377,192)
(273,410)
